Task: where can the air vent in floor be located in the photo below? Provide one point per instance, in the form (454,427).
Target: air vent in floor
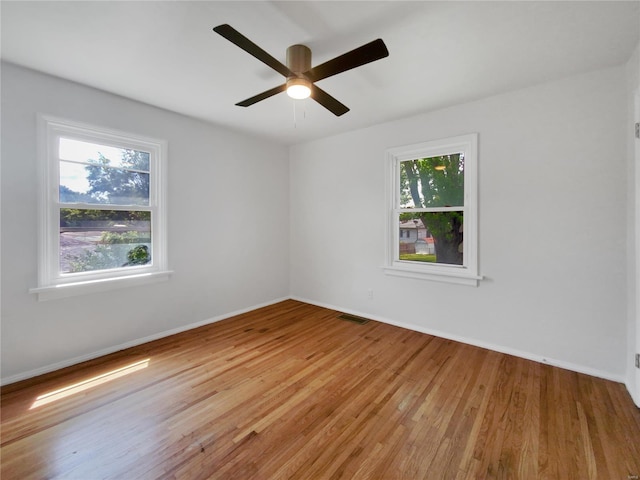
(353,318)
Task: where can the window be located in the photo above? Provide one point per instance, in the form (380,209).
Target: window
(433,188)
(102,209)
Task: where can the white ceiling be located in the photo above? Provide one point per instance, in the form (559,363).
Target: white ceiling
(441,53)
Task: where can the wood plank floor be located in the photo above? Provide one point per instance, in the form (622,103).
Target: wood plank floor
(291,391)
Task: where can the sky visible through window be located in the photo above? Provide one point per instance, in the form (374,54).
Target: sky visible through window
(74,175)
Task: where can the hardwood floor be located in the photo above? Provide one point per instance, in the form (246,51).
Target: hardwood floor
(292,392)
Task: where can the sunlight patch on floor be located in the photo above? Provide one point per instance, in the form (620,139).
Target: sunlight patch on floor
(87,384)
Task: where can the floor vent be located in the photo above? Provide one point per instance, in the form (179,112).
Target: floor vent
(353,318)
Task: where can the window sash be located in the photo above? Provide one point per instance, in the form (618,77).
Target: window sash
(396,246)
(430,209)
(113,252)
(455,202)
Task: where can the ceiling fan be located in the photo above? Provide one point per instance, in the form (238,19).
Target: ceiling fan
(300,76)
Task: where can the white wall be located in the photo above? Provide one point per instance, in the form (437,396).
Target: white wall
(228,228)
(552,169)
(553,166)
(633,199)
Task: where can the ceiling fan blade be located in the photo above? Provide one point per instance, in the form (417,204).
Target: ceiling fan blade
(327,101)
(231,34)
(370,52)
(262,96)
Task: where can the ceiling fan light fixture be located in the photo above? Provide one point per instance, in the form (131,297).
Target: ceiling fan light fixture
(298,88)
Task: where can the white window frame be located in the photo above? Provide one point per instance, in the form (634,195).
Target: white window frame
(51,282)
(467,273)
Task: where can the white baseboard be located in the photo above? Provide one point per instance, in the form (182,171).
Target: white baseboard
(478,343)
(134,343)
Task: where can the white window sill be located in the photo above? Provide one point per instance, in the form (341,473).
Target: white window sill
(454,275)
(93,286)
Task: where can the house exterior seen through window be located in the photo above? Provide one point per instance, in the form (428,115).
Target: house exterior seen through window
(102,205)
(433,210)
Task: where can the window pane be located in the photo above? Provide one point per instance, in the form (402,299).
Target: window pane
(431,237)
(103,239)
(78,151)
(432,182)
(102,184)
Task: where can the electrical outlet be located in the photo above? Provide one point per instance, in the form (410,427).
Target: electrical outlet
(370,294)
(637,360)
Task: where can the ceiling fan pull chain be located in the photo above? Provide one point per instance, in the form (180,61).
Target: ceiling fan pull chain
(295,123)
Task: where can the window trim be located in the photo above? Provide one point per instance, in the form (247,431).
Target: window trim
(466,274)
(51,284)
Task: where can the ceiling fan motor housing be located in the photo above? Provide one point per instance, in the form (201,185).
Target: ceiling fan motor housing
(298,59)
